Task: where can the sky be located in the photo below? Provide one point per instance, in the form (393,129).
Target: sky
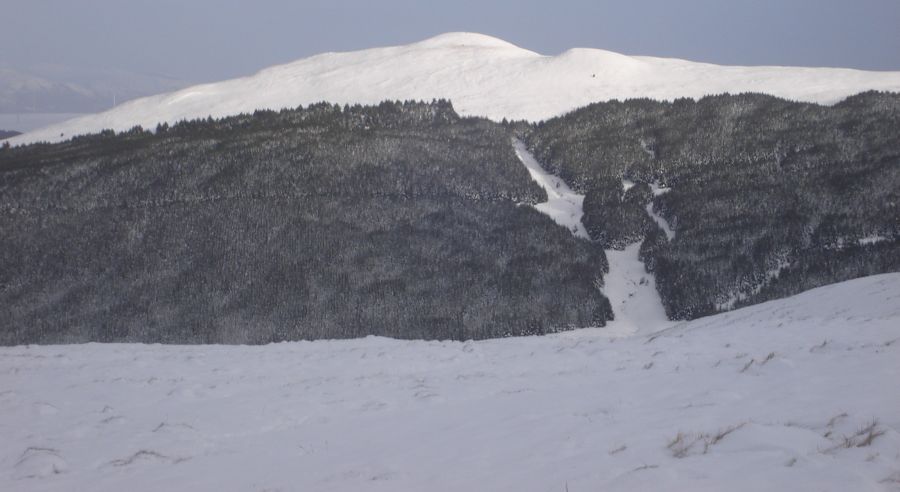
(207,40)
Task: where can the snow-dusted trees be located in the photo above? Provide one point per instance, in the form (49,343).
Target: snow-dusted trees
(768,197)
(404,219)
(322,222)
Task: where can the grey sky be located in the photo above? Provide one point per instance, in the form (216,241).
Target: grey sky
(214,39)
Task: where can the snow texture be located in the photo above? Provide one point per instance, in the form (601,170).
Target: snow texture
(481,75)
(794,394)
(631,290)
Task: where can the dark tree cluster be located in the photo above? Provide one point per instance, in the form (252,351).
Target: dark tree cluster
(616,218)
(400,219)
(768,197)
(4,134)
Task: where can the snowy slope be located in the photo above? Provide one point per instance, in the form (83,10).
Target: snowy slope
(482,76)
(795,394)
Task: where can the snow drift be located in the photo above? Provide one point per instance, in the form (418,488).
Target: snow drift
(481,75)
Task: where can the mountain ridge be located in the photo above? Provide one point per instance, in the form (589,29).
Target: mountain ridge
(481,75)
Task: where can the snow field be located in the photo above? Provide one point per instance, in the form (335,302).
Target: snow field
(794,394)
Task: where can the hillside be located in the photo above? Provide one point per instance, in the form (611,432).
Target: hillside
(794,394)
(736,199)
(481,75)
(399,220)
(406,220)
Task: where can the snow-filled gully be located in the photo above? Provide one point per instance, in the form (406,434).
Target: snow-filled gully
(662,222)
(631,290)
(563,205)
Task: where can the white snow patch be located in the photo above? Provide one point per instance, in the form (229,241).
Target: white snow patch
(661,221)
(563,205)
(872,239)
(759,398)
(482,76)
(631,291)
(657,189)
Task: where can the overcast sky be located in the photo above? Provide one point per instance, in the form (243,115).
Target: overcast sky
(205,40)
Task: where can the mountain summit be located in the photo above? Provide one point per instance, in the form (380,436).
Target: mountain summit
(481,75)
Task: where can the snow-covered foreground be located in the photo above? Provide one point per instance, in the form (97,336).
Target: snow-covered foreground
(795,394)
(481,75)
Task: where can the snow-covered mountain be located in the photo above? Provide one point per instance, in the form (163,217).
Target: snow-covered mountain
(794,394)
(481,75)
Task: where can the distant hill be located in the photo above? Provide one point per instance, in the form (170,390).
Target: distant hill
(482,76)
(63,89)
(8,133)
